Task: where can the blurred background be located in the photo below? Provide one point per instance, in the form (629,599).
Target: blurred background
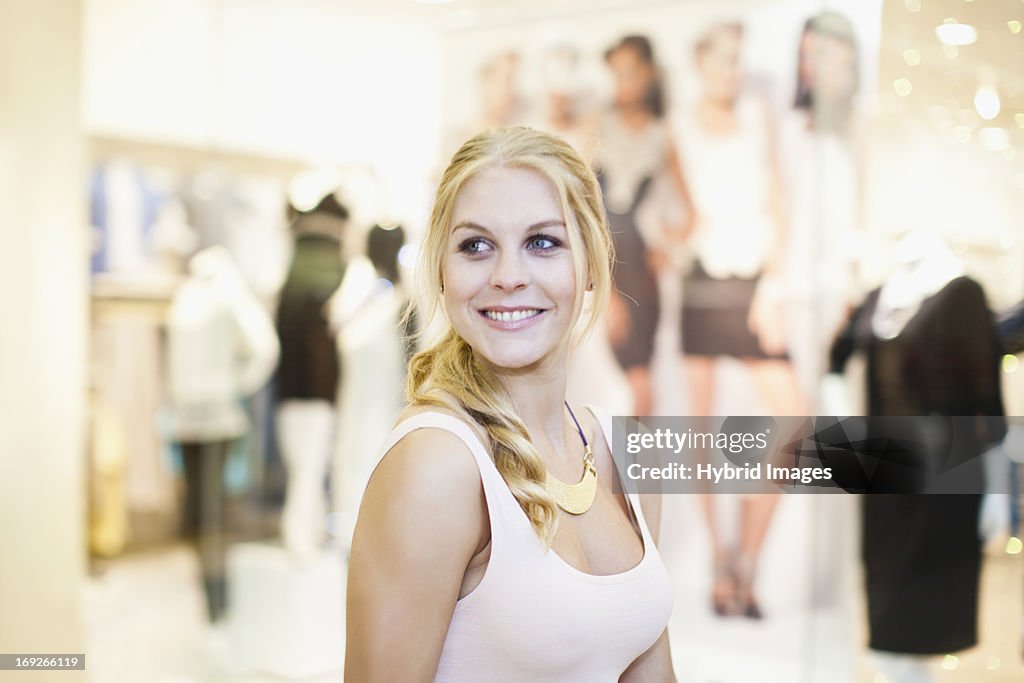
(210,212)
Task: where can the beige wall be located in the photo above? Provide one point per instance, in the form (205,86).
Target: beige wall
(43,287)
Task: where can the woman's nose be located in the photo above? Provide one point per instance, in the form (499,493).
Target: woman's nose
(509,272)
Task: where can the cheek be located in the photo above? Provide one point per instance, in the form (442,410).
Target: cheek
(460,285)
(562,281)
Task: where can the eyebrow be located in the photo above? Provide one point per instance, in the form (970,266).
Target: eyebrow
(470,225)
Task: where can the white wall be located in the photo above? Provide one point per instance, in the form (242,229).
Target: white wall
(43,280)
(313,80)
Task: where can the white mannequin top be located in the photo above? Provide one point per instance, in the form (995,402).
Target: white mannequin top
(926,265)
(221,347)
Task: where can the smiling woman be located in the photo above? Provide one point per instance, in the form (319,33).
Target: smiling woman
(513,272)
(476,549)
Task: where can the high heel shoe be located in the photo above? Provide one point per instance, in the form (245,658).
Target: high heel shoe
(747,603)
(723,589)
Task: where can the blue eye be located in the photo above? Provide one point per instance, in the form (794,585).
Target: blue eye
(473,245)
(544,243)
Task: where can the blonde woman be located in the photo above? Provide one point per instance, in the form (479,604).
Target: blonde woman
(480,552)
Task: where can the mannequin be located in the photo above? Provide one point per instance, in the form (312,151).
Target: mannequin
(123,209)
(931,349)
(221,347)
(307,378)
(367,312)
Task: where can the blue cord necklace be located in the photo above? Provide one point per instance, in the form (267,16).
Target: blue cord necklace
(576,498)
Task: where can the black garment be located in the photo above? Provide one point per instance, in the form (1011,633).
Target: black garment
(635,279)
(309,367)
(1011,329)
(205,517)
(714,319)
(922,553)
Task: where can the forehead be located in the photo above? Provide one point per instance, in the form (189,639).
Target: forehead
(503,198)
(724,41)
(626,57)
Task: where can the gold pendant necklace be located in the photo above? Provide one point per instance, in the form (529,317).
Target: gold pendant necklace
(576,498)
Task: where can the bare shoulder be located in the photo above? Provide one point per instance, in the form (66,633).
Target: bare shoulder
(431,460)
(422,519)
(426,489)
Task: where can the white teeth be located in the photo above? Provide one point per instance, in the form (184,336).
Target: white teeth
(511,316)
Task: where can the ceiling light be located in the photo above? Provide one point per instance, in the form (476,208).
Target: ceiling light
(986,102)
(912,57)
(1014,26)
(952,32)
(902,87)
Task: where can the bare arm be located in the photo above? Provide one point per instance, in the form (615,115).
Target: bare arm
(766,317)
(656,663)
(653,665)
(675,167)
(682,188)
(422,519)
(776,194)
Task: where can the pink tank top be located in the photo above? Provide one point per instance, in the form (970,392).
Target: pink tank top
(534,617)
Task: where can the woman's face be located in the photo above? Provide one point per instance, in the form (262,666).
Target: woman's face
(508,272)
(835,64)
(719,66)
(632,75)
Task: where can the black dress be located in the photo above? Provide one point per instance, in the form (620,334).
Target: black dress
(634,279)
(309,367)
(922,553)
(714,316)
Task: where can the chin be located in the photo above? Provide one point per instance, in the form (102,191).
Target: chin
(512,361)
(508,357)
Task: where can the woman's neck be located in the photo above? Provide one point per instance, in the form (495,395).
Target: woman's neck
(561,121)
(716,116)
(633,116)
(539,400)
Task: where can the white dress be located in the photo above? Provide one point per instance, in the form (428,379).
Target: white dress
(822,245)
(728,178)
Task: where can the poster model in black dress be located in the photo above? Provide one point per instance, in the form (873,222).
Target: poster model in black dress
(922,553)
(635,151)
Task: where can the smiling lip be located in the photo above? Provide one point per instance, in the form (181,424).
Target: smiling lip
(511,317)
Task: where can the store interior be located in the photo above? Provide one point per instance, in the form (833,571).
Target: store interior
(211,216)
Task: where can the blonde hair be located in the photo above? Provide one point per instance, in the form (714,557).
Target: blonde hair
(448,374)
(713,32)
